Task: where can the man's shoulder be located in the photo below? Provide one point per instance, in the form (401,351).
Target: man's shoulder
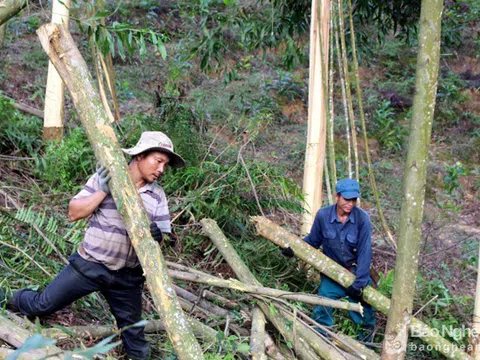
(157,192)
(361,214)
(326,209)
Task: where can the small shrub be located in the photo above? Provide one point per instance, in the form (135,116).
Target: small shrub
(66,164)
(388,131)
(451,179)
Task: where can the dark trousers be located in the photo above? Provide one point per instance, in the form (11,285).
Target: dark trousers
(324,315)
(122,289)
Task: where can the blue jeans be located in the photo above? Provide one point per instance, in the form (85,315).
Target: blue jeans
(122,290)
(324,315)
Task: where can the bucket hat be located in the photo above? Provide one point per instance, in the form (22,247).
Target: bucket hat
(348,188)
(156,140)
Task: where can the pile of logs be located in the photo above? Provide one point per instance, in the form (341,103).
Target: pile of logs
(209,312)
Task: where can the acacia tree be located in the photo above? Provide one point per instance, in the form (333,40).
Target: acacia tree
(399,316)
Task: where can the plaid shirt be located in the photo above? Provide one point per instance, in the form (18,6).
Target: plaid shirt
(106,240)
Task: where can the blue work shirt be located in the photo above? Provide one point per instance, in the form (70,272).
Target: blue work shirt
(348,244)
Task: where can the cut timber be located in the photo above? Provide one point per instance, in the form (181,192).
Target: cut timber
(55,91)
(264,291)
(62,51)
(414,182)
(10,8)
(257,336)
(203,332)
(317,112)
(15,335)
(307,344)
(327,266)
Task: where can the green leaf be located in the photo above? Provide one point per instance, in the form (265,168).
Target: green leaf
(162,49)
(35,342)
(243,348)
(100,15)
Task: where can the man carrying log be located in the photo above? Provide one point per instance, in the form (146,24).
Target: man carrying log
(343,230)
(106,260)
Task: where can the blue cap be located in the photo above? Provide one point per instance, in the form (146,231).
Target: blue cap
(348,188)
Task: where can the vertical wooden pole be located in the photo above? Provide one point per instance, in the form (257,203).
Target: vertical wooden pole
(476,315)
(55,92)
(317,112)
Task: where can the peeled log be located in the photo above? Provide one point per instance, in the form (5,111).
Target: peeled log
(10,8)
(65,56)
(327,266)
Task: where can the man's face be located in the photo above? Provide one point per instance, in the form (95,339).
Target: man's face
(345,205)
(152,165)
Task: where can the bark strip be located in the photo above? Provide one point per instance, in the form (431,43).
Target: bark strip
(63,53)
(327,266)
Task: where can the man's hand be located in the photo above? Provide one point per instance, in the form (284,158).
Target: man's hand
(156,233)
(288,252)
(354,294)
(103,178)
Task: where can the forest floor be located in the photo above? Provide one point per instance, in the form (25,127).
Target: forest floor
(266,106)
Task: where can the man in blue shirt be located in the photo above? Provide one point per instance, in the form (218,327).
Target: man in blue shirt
(343,230)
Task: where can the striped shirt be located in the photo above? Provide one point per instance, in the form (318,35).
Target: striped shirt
(106,240)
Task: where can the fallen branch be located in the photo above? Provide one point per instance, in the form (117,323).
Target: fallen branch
(203,332)
(327,266)
(260,290)
(15,335)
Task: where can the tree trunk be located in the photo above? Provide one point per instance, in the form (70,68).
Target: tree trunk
(317,112)
(411,215)
(55,91)
(476,315)
(60,47)
(10,8)
(327,266)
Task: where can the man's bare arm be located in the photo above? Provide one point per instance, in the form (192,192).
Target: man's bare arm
(85,206)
